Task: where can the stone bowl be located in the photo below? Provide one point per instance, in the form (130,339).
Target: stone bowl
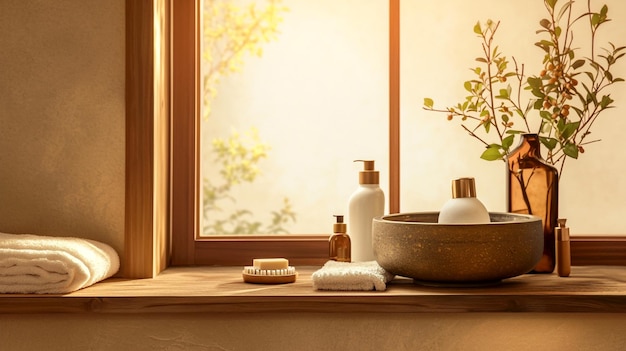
(414,245)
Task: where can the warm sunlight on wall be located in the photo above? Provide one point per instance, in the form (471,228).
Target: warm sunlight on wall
(62,114)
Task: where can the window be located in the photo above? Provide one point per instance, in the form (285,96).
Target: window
(187,248)
(301,249)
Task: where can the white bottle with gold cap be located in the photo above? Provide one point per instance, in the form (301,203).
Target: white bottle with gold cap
(367,202)
(464,207)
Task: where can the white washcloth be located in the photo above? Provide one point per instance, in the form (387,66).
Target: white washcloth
(52,265)
(351,276)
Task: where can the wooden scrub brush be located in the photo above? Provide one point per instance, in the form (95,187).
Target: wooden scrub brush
(269,271)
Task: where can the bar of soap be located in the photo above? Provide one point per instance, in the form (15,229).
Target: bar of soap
(270,263)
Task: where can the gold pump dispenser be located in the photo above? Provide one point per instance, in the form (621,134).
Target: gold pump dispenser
(368,175)
(339,243)
(340,226)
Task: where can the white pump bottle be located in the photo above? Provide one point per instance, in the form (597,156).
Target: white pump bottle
(367,202)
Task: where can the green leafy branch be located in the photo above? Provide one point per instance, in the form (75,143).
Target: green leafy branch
(567,96)
(238,160)
(230,31)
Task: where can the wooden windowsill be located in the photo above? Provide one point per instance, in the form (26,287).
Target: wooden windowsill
(221,289)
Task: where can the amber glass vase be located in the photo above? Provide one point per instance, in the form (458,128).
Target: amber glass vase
(533,188)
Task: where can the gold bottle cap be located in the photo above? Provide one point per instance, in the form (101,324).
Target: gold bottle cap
(340,226)
(561,232)
(368,175)
(463,187)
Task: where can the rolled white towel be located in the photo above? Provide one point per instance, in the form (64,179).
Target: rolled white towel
(53,265)
(351,276)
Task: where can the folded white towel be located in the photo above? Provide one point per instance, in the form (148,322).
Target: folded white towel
(53,265)
(351,276)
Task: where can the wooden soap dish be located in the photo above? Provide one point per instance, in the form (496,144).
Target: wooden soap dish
(269,279)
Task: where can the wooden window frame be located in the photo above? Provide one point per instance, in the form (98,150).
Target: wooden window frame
(146,227)
(162,176)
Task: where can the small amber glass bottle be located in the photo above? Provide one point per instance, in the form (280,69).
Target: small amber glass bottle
(339,242)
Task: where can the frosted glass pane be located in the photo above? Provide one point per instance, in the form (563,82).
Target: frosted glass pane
(317,99)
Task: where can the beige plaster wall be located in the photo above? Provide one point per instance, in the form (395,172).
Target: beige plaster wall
(296,331)
(62,118)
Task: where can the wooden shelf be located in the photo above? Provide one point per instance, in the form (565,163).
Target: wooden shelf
(221,289)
